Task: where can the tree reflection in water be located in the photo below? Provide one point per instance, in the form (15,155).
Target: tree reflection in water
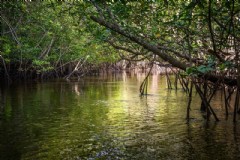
(106,118)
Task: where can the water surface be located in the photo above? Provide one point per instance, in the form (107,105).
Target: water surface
(105,118)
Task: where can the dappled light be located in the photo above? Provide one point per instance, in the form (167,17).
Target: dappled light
(118,79)
(105,118)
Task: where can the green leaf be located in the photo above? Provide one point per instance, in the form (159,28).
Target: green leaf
(191,70)
(204,69)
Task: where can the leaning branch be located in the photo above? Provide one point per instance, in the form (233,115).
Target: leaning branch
(141,42)
(153,48)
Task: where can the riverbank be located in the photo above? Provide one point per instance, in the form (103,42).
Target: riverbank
(12,72)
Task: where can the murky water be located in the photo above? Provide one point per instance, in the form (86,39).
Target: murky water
(104,118)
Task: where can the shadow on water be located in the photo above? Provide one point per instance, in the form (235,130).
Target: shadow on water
(105,118)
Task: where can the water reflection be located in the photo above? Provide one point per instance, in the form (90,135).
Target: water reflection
(2,100)
(105,118)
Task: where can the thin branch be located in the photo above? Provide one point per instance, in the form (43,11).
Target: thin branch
(14,35)
(47,50)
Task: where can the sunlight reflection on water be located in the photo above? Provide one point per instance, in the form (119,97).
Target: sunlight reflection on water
(105,118)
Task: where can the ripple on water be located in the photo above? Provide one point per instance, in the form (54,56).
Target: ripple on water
(111,121)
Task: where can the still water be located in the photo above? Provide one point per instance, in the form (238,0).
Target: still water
(105,118)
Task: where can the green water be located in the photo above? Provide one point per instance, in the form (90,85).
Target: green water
(104,118)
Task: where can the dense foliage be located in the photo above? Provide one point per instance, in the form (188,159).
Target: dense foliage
(199,37)
(49,39)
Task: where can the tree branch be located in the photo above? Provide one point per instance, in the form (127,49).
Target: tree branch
(143,43)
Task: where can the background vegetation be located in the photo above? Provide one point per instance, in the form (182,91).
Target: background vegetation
(43,39)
